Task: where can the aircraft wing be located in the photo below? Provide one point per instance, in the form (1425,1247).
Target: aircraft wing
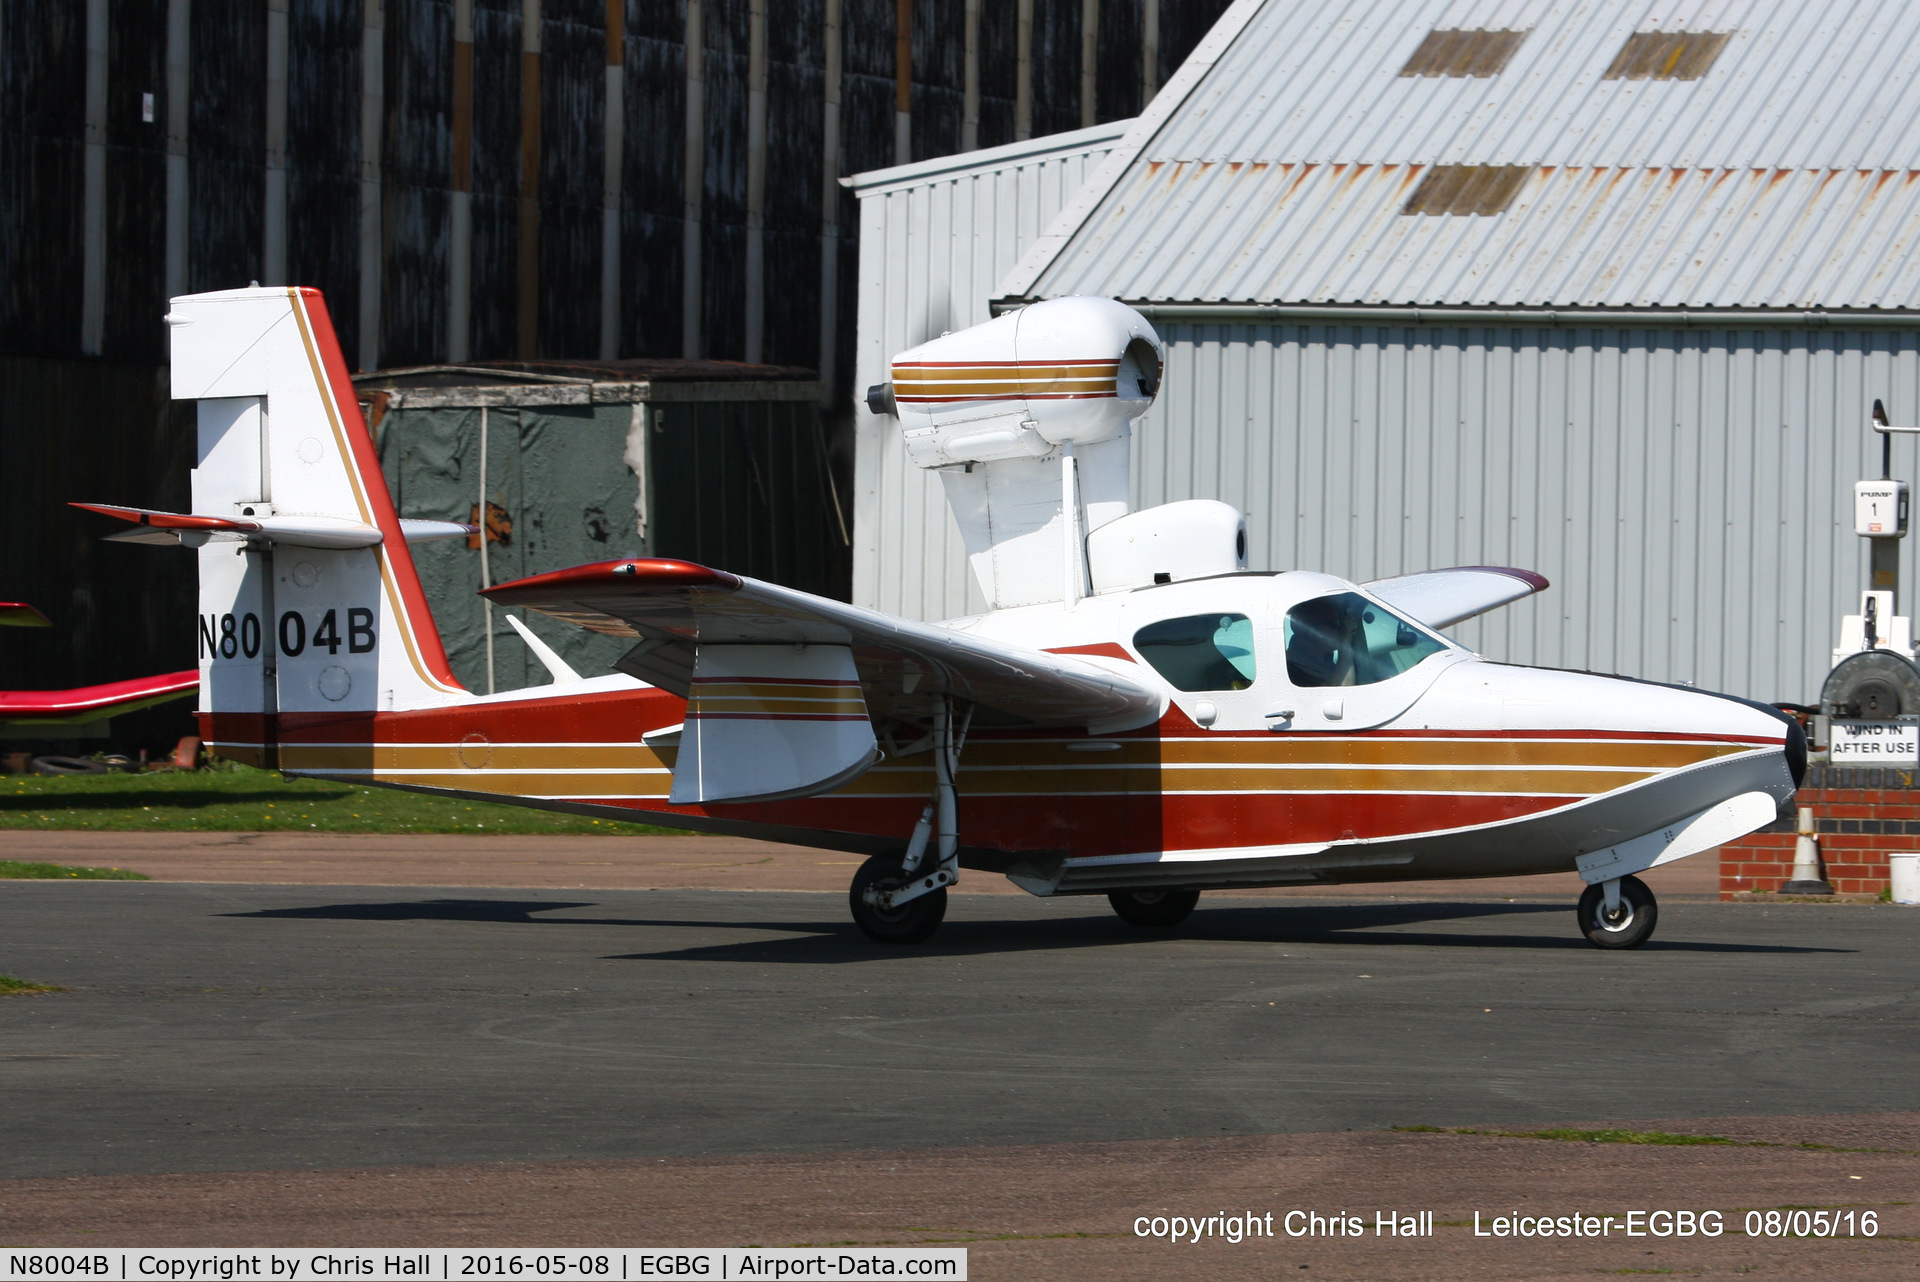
(92,703)
(903,667)
(1442,598)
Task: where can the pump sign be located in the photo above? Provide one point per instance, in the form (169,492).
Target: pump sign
(1875,743)
(1880,509)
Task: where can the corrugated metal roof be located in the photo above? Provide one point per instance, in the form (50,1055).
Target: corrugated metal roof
(1788,175)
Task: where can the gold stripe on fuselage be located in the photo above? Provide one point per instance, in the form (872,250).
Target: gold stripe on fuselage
(1570,767)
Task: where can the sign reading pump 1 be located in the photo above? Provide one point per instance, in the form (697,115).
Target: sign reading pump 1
(1880,509)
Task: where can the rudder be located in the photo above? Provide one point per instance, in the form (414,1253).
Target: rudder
(318,617)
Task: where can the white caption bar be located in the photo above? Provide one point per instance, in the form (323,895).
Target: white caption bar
(385,1264)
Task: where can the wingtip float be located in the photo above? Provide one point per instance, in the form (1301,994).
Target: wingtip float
(1140,713)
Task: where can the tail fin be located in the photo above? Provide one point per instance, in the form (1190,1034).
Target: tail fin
(292,633)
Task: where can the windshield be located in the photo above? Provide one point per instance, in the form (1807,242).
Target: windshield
(1347,640)
(1201,651)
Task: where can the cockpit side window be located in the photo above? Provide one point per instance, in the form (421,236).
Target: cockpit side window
(1201,651)
(1347,640)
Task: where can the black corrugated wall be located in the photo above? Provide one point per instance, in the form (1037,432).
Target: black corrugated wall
(97,424)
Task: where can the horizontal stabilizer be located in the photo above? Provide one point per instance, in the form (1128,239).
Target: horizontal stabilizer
(674,608)
(1442,598)
(168,528)
(94,703)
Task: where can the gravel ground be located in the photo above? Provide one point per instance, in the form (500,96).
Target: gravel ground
(1068,1210)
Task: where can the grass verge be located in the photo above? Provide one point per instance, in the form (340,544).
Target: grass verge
(10,985)
(235,798)
(15,870)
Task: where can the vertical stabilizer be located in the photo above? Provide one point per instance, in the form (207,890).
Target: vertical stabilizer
(295,630)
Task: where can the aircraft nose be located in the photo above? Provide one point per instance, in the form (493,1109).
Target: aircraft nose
(1796,752)
(1794,748)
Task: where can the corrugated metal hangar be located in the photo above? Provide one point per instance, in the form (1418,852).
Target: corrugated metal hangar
(467,181)
(1603,290)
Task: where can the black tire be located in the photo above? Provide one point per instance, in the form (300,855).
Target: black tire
(911,923)
(1634,924)
(1154,909)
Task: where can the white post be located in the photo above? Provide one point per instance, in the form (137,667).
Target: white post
(486,571)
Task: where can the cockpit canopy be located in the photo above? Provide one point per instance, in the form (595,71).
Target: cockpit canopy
(1337,639)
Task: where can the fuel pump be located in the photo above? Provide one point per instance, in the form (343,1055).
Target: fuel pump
(1872,695)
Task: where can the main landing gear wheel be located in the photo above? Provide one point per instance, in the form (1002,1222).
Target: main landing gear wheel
(1154,908)
(910,923)
(1629,925)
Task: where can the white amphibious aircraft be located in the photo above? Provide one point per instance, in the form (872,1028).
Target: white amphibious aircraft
(1138,714)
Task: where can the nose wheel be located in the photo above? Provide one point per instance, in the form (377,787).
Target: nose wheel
(1618,914)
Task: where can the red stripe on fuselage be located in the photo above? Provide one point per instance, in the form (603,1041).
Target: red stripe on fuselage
(1079,824)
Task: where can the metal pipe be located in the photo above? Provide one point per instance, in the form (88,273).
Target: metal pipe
(1089,59)
(372,126)
(273,254)
(830,203)
(756,180)
(179,45)
(1149,52)
(1023,70)
(527,262)
(696,182)
(903,82)
(970,79)
(612,168)
(93,199)
(460,196)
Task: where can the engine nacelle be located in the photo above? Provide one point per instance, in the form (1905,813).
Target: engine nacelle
(1065,371)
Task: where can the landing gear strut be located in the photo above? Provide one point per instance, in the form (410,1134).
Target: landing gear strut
(1618,914)
(901,900)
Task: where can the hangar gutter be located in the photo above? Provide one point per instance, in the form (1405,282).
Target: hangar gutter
(1609,318)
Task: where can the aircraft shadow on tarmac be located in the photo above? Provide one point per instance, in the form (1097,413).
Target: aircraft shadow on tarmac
(835,942)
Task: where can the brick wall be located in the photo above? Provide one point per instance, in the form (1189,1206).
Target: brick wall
(1861,814)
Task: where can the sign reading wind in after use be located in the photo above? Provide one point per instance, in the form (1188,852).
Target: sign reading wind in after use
(1875,743)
